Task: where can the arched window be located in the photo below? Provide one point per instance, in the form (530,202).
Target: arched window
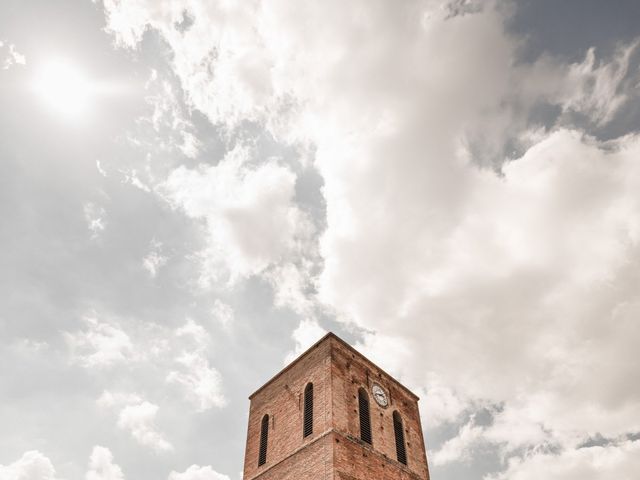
(307,428)
(264,437)
(365,417)
(398,429)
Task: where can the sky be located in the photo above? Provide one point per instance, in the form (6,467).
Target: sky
(193,192)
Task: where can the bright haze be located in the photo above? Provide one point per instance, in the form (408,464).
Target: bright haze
(193,191)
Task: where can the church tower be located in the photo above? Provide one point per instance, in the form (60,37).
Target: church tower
(332,414)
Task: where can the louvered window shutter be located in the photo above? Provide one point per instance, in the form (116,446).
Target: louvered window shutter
(365,416)
(264,438)
(398,429)
(308,411)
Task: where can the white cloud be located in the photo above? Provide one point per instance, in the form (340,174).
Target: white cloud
(200,382)
(195,332)
(520,425)
(33,465)
(136,416)
(526,291)
(291,284)
(251,219)
(190,145)
(440,403)
(154,260)
(196,472)
(619,461)
(101,344)
(95,217)
(597,90)
(139,421)
(169,119)
(101,170)
(131,177)
(126,20)
(488,285)
(458,448)
(182,352)
(305,335)
(101,466)
(223,314)
(240,81)
(11,56)
(110,399)
(30,346)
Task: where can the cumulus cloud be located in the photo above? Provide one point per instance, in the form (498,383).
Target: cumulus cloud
(100,344)
(136,416)
(200,382)
(196,472)
(458,448)
(291,285)
(33,465)
(139,420)
(127,20)
(527,285)
(101,466)
(239,86)
(440,404)
(306,334)
(620,461)
(511,286)
(182,352)
(251,220)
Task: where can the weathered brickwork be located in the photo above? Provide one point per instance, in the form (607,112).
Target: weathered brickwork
(282,400)
(351,371)
(357,461)
(314,461)
(334,450)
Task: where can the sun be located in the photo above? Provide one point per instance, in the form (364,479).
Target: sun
(64,88)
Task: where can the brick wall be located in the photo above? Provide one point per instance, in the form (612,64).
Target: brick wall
(334,450)
(282,400)
(356,461)
(349,372)
(314,461)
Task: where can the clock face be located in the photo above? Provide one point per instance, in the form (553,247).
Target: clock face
(380,395)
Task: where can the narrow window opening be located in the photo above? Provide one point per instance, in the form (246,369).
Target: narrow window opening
(307,428)
(264,437)
(365,417)
(401,452)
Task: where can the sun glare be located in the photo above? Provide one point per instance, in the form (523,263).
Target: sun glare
(64,88)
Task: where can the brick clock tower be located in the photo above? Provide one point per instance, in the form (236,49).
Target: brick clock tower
(334,415)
